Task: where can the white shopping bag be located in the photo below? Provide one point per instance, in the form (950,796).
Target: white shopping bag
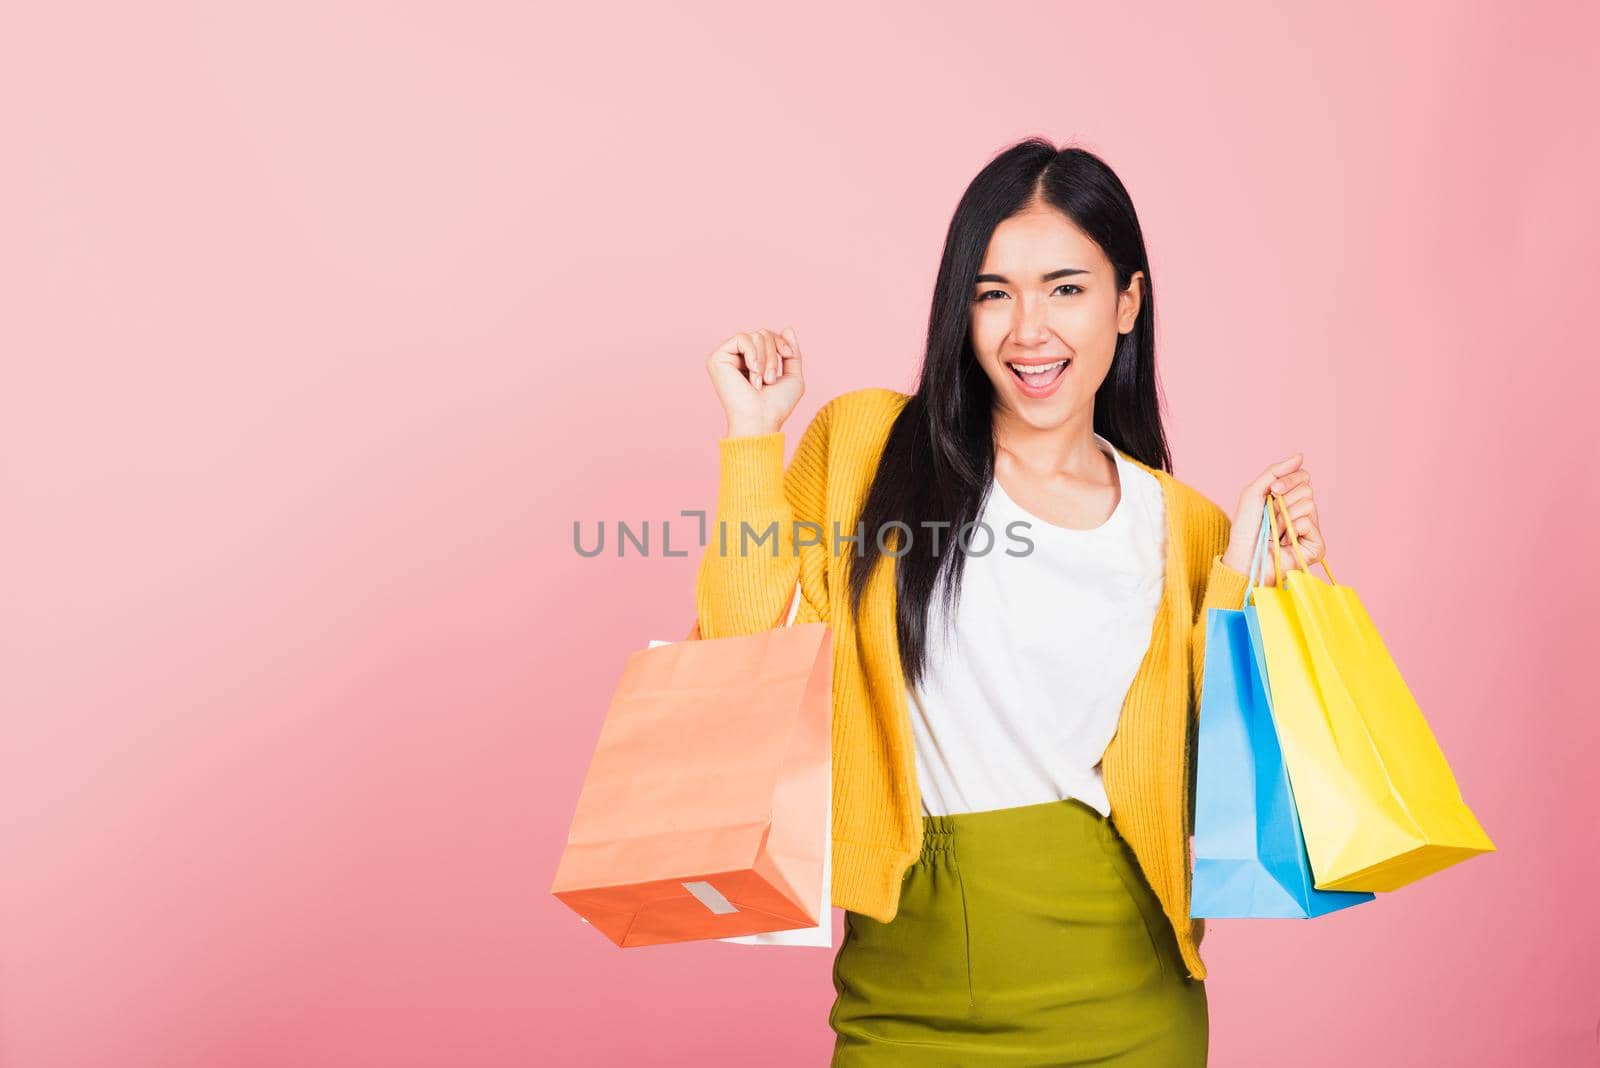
(821,934)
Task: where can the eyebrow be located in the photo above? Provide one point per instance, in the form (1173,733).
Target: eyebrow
(1060,272)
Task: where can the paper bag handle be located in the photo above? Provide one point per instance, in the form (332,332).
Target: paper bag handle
(1259,558)
(1294,543)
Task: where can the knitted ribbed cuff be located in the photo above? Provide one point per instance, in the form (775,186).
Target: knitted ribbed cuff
(1225,587)
(751,474)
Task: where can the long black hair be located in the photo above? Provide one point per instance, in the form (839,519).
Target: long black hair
(938,462)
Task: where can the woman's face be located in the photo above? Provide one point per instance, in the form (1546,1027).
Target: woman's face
(1046,293)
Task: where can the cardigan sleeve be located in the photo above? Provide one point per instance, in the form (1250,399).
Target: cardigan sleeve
(768,532)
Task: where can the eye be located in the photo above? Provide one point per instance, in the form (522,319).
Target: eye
(986,294)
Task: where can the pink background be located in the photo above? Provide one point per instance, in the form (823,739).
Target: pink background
(324,322)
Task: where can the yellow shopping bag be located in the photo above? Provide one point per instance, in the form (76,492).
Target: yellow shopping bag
(1378,804)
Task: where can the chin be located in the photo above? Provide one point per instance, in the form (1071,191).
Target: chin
(1046,417)
(1041,415)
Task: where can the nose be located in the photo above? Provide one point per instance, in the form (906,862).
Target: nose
(1033,324)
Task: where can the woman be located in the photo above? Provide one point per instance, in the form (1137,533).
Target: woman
(1017,590)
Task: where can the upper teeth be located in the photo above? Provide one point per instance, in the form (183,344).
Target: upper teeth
(1040,369)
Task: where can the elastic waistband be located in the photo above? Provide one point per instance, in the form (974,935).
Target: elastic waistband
(1024,824)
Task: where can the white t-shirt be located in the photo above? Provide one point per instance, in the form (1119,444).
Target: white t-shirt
(1024,692)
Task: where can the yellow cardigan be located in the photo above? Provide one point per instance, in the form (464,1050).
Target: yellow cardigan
(877,807)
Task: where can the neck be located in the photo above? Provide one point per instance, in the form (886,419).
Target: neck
(1069,449)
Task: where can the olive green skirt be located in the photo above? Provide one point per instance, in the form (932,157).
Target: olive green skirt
(1024,936)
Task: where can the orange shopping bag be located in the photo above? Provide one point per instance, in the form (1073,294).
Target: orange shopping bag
(704,809)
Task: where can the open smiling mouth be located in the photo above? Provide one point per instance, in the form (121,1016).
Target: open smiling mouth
(1041,375)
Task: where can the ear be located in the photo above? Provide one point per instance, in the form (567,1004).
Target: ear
(1128,302)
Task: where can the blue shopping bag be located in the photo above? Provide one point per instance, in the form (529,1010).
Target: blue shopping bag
(1250,857)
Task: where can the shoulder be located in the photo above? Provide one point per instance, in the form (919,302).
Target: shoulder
(869,405)
(859,414)
(1194,514)
(1202,524)
(1197,507)
(847,435)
